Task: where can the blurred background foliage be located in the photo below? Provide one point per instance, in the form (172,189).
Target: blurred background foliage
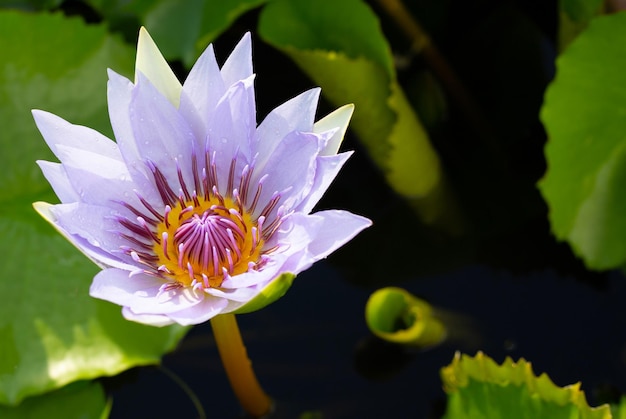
(450,149)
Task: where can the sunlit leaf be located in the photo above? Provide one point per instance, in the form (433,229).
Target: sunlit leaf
(341,47)
(584,114)
(84,400)
(479,388)
(182,28)
(619,410)
(51,331)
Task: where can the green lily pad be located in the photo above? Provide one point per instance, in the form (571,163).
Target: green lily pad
(479,388)
(341,47)
(397,316)
(52,332)
(585,116)
(181,28)
(84,400)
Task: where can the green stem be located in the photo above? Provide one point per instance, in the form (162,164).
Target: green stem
(238,366)
(192,396)
(423,44)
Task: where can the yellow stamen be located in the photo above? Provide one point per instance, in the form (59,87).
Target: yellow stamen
(203,240)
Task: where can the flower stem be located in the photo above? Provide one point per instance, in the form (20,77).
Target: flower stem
(238,366)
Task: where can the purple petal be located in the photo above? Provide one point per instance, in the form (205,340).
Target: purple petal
(270,271)
(141,293)
(57,177)
(119,90)
(327,168)
(324,232)
(95,224)
(296,114)
(205,310)
(238,66)
(116,286)
(290,171)
(201,91)
(102,258)
(296,232)
(162,136)
(157,320)
(231,125)
(57,131)
(238,294)
(337,229)
(97,179)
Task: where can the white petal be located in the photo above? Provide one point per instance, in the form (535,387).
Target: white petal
(336,119)
(57,131)
(239,294)
(248,279)
(238,66)
(296,114)
(98,256)
(157,320)
(92,222)
(57,177)
(202,90)
(338,228)
(141,293)
(161,133)
(230,126)
(200,313)
(119,95)
(97,179)
(290,171)
(323,232)
(326,169)
(151,63)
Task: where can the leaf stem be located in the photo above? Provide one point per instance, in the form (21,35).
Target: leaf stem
(422,44)
(238,366)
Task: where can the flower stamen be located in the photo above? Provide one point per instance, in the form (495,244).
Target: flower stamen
(201,237)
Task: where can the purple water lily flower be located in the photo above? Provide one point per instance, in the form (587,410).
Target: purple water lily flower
(196,210)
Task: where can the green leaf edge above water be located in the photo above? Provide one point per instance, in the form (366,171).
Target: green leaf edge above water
(340,46)
(79,400)
(479,388)
(584,114)
(51,331)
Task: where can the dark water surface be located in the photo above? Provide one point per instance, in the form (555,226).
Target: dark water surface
(312,351)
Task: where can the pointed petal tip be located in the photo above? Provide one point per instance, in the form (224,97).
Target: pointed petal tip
(39,115)
(338,119)
(43,209)
(152,64)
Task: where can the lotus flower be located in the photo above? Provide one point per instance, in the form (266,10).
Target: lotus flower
(195,210)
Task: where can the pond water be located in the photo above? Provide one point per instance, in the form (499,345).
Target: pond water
(503,285)
(312,350)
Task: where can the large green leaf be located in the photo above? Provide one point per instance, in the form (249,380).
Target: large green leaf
(478,388)
(51,331)
(585,117)
(341,47)
(80,400)
(181,28)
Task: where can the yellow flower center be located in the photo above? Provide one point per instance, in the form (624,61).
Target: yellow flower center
(204,240)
